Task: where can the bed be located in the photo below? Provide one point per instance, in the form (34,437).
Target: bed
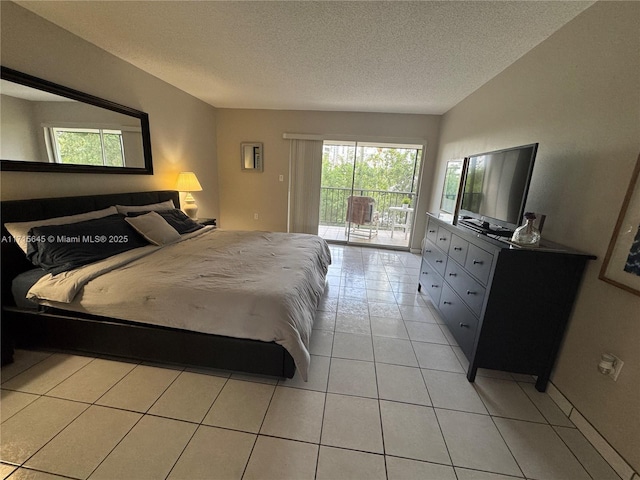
(242,301)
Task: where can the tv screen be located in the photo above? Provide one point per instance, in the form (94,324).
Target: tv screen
(496,186)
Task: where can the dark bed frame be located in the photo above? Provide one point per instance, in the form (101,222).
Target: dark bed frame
(58,330)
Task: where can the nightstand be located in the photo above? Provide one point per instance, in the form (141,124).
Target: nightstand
(207,221)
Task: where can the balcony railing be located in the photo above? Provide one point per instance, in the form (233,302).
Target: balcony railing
(333,204)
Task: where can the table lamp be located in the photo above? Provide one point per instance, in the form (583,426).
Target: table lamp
(188,182)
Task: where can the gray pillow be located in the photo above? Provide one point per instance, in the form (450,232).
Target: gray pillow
(176,218)
(154,228)
(167,205)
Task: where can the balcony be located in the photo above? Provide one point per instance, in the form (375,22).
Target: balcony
(333,212)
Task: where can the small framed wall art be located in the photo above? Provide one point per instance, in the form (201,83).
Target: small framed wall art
(621,266)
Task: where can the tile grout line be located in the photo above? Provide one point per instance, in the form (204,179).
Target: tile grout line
(114,385)
(31,469)
(554,431)
(28,368)
(505,442)
(175,419)
(326,391)
(324,409)
(21,409)
(257,434)
(65,378)
(444,439)
(375,373)
(195,430)
(43,395)
(57,434)
(142,415)
(116,445)
(586,435)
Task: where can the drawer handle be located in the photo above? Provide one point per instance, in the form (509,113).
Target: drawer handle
(427,251)
(458,248)
(478,262)
(453,274)
(435,286)
(469,292)
(464,325)
(425,273)
(438,261)
(432,231)
(443,239)
(446,303)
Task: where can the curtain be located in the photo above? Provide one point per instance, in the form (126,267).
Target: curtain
(305,175)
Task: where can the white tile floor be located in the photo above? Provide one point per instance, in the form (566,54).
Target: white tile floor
(386,398)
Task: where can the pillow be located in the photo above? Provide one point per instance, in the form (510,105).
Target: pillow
(176,218)
(168,205)
(20,230)
(58,248)
(154,228)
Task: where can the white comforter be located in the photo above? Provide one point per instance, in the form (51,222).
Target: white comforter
(257,285)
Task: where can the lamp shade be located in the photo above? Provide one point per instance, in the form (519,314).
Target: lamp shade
(188,182)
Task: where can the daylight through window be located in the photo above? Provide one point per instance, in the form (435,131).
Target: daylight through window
(88,146)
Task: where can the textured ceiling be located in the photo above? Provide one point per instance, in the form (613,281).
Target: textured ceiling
(404,57)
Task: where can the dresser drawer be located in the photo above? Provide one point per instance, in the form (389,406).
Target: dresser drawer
(431,282)
(469,290)
(478,263)
(458,249)
(444,239)
(432,231)
(436,258)
(460,321)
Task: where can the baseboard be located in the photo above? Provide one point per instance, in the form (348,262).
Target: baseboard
(613,458)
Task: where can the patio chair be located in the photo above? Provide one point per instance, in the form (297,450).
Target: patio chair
(361,216)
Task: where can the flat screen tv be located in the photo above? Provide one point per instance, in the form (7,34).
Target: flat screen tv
(495,189)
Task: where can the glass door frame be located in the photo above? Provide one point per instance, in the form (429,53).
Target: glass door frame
(416,178)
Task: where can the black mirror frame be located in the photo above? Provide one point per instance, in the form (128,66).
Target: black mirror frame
(40,84)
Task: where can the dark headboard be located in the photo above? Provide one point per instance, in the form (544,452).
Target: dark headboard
(12,259)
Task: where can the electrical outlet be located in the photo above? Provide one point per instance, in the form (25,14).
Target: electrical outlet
(617,366)
(255,216)
(281,178)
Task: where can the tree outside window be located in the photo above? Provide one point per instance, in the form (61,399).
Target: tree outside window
(88,146)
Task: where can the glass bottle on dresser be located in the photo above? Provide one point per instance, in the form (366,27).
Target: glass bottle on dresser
(527,235)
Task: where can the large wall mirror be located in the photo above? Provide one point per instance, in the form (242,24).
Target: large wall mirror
(46,127)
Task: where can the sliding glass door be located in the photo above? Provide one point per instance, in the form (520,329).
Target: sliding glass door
(368,192)
(338,161)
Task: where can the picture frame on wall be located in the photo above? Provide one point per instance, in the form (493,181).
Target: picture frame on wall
(450,200)
(621,265)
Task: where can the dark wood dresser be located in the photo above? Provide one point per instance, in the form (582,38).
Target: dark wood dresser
(507,307)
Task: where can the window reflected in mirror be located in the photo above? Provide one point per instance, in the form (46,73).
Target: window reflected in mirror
(451,187)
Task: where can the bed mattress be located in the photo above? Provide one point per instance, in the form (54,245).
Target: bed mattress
(256,285)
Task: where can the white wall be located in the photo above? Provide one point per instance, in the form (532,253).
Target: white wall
(244,193)
(18,135)
(182,127)
(578,94)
